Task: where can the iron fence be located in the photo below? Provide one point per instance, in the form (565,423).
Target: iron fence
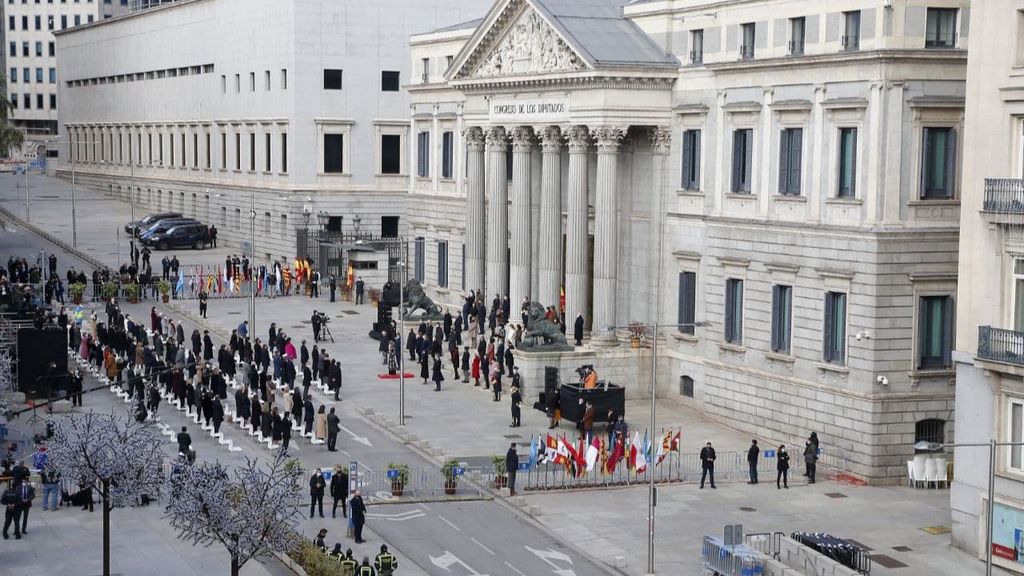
(376,485)
(1000,345)
(675,467)
(1004,195)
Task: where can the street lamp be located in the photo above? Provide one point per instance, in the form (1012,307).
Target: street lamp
(992,444)
(651,491)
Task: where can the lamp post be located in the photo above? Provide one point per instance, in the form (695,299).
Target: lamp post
(651,490)
(252,263)
(991,445)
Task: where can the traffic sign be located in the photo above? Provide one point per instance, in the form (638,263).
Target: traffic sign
(769,453)
(458,471)
(392,474)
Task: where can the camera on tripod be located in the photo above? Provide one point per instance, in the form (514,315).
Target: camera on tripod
(323,317)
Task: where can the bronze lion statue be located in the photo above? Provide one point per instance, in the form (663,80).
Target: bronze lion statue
(416,298)
(540,327)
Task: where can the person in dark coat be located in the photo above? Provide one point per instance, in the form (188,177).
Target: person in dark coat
(267,423)
(339,491)
(285,429)
(242,407)
(410,344)
(810,461)
(297,405)
(707,464)
(207,407)
(577,330)
(218,414)
(517,401)
(207,346)
(316,492)
(752,454)
(813,439)
(358,516)
(255,411)
(782,463)
(424,367)
(511,467)
(438,374)
(333,427)
(275,424)
(309,413)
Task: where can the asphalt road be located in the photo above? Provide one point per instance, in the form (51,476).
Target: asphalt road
(479,537)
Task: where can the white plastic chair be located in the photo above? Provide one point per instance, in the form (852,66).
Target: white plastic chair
(931,472)
(943,472)
(919,467)
(910,473)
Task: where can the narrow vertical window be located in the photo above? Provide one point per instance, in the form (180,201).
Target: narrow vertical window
(691,160)
(790,161)
(834,334)
(782,308)
(847,163)
(734,311)
(687,302)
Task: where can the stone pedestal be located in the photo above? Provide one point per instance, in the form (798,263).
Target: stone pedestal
(626,367)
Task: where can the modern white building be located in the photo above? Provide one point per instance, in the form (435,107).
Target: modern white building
(786,171)
(202,105)
(30,58)
(989,352)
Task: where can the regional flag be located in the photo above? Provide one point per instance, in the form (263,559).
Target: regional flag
(593,452)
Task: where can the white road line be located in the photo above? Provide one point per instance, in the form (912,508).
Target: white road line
(424,506)
(448,522)
(477,542)
(514,569)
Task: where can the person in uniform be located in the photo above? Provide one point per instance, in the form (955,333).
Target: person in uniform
(365,569)
(385,562)
(349,564)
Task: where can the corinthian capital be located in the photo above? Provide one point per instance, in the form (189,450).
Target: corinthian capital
(550,138)
(474,138)
(497,139)
(578,138)
(661,139)
(608,138)
(522,139)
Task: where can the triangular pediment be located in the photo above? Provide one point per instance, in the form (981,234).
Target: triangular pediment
(517,40)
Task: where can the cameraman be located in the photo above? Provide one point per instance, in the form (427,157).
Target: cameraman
(315,319)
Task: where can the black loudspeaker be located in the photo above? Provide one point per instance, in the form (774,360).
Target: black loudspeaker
(391,294)
(36,350)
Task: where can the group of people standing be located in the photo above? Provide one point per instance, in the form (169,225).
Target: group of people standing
(782,462)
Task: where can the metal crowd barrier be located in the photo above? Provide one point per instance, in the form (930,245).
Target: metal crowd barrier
(725,560)
(422,483)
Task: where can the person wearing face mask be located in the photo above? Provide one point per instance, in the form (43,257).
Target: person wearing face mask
(317,484)
(783,467)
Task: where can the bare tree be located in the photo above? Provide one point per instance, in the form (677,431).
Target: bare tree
(117,457)
(253,511)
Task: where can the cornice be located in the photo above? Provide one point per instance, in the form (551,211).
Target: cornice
(834,59)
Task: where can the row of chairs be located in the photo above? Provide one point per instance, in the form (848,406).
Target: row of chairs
(927,470)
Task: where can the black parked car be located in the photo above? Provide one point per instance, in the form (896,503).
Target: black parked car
(140,225)
(165,225)
(196,236)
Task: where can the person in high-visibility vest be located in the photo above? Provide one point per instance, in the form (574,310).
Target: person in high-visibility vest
(349,564)
(365,569)
(385,563)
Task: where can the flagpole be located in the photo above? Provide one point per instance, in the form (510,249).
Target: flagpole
(651,489)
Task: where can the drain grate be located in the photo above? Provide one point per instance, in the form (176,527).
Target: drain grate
(903,548)
(887,561)
(513,436)
(748,509)
(349,312)
(234,313)
(936,530)
(835,494)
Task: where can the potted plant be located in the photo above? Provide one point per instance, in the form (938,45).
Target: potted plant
(451,481)
(77,290)
(398,481)
(636,334)
(164,287)
(500,472)
(131,292)
(108,290)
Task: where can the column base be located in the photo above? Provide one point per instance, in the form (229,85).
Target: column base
(604,340)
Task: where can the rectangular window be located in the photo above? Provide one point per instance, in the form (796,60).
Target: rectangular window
(39,22)
(389,81)
(691,160)
(332,79)
(687,312)
(13,75)
(252,151)
(209,154)
(425,70)
(53,75)
(938,163)
(941,29)
(782,318)
(1016,422)
(734,311)
(39,49)
(697,47)
(26,75)
(447,154)
(797,29)
(195,150)
(27,101)
(390,154)
(78,20)
(334,146)
(13,48)
(12,23)
(14,101)
(284,79)
(252,81)
(266,80)
(284,153)
(790,161)
(223,151)
(423,154)
(442,264)
(39,75)
(749,32)
(935,332)
(25,49)
(223,84)
(847,163)
(266,152)
(39,101)
(53,49)
(238,83)
(53,101)
(238,151)
(851,28)
(24,22)
(742,159)
(420,248)
(63,21)
(834,334)
(184,156)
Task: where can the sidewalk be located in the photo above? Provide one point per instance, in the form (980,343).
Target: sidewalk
(464,422)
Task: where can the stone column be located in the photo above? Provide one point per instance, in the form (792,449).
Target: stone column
(577,278)
(550,253)
(474,246)
(606,231)
(661,145)
(497,213)
(522,146)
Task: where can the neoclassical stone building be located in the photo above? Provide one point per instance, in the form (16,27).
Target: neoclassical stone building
(785,172)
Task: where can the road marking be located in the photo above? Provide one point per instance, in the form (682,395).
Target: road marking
(514,569)
(357,438)
(399,517)
(549,556)
(448,522)
(424,506)
(447,560)
(477,542)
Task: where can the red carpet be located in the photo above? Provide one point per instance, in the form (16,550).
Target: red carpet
(394,376)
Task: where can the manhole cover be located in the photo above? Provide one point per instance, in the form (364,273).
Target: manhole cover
(748,509)
(513,436)
(903,548)
(887,561)
(835,495)
(234,313)
(300,326)
(864,547)
(936,530)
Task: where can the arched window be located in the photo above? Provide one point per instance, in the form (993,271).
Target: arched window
(686,386)
(930,430)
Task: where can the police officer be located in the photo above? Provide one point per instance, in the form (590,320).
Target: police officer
(334,286)
(315,321)
(203,297)
(349,564)
(385,563)
(365,569)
